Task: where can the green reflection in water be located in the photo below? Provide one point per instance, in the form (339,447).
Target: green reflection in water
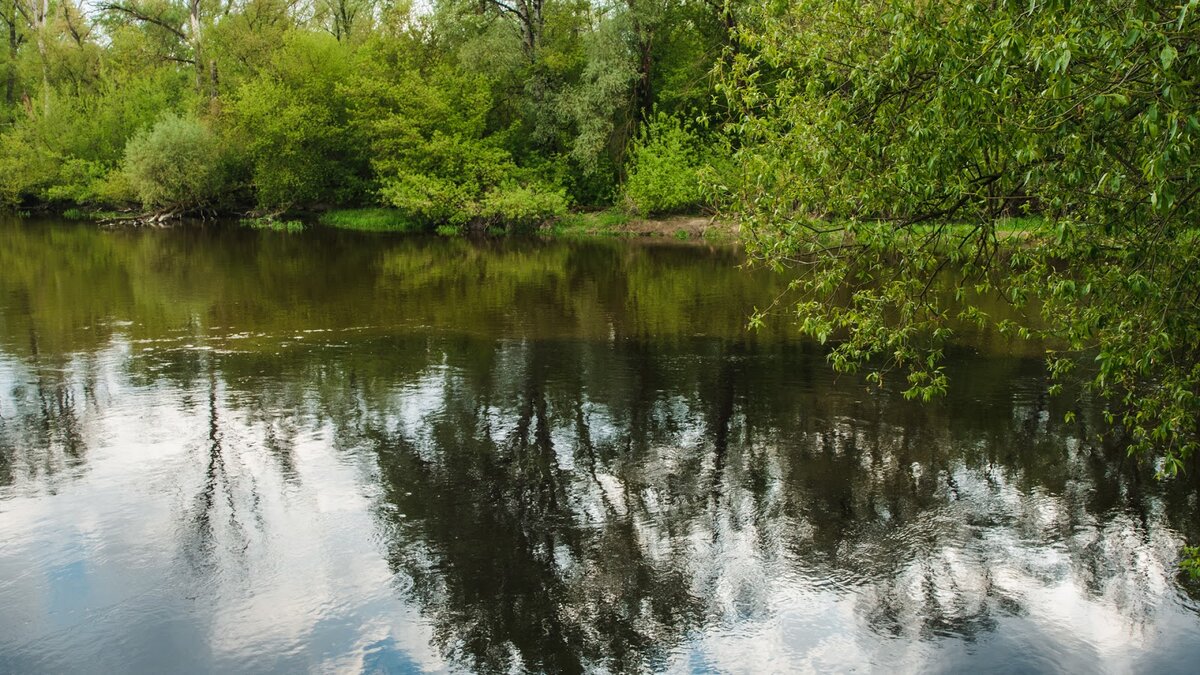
(572,456)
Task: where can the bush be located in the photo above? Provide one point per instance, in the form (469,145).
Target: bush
(522,207)
(665,168)
(176,164)
(27,168)
(435,160)
(292,127)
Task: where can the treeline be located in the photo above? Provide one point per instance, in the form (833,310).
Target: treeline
(452,112)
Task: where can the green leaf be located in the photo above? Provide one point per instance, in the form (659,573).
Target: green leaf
(1167,56)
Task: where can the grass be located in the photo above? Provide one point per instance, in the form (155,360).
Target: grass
(719,235)
(88,214)
(273,224)
(606,223)
(369,220)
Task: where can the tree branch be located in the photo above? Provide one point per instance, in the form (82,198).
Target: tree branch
(145,18)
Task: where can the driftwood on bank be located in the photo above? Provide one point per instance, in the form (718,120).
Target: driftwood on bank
(165,217)
(153,219)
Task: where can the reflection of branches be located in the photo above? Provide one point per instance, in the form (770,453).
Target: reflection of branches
(45,434)
(900,504)
(573,506)
(204,523)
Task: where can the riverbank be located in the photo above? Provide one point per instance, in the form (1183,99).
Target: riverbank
(618,224)
(604,223)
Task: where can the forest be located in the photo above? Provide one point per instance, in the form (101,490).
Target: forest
(452,113)
(1044,150)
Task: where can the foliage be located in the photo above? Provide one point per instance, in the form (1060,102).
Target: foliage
(862,129)
(522,207)
(176,165)
(71,152)
(293,123)
(665,168)
(289,226)
(457,113)
(370,220)
(436,162)
(1191,561)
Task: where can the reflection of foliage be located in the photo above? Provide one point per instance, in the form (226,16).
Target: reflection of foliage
(566,506)
(42,433)
(247,281)
(594,485)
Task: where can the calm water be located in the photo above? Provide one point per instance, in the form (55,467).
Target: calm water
(228,450)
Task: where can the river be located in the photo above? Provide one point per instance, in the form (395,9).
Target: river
(230,450)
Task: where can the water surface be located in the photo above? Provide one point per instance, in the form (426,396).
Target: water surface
(230,450)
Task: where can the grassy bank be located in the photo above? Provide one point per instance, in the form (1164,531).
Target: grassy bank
(369,220)
(607,223)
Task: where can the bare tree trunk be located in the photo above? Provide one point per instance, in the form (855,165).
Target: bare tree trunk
(14,42)
(40,13)
(530,20)
(643,94)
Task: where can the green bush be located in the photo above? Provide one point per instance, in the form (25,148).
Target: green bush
(27,168)
(435,160)
(665,168)
(292,128)
(522,207)
(176,164)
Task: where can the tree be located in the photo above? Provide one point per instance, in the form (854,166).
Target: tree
(185,24)
(884,143)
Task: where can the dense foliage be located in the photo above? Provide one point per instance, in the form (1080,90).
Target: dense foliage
(1043,151)
(880,144)
(453,113)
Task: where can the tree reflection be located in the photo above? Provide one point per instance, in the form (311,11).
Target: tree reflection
(568,523)
(41,432)
(601,480)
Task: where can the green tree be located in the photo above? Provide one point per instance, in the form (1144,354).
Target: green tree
(293,123)
(866,131)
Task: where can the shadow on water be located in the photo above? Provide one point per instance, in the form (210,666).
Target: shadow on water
(244,450)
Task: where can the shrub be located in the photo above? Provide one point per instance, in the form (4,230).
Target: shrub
(433,155)
(665,168)
(292,126)
(522,207)
(175,164)
(26,166)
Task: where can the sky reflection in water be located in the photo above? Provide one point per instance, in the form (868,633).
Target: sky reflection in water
(230,450)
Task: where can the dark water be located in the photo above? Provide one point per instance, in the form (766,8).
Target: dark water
(226,450)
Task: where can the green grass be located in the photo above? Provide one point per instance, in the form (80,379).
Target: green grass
(88,214)
(369,220)
(607,222)
(273,224)
(719,235)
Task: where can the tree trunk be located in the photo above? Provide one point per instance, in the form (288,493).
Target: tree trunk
(10,82)
(643,95)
